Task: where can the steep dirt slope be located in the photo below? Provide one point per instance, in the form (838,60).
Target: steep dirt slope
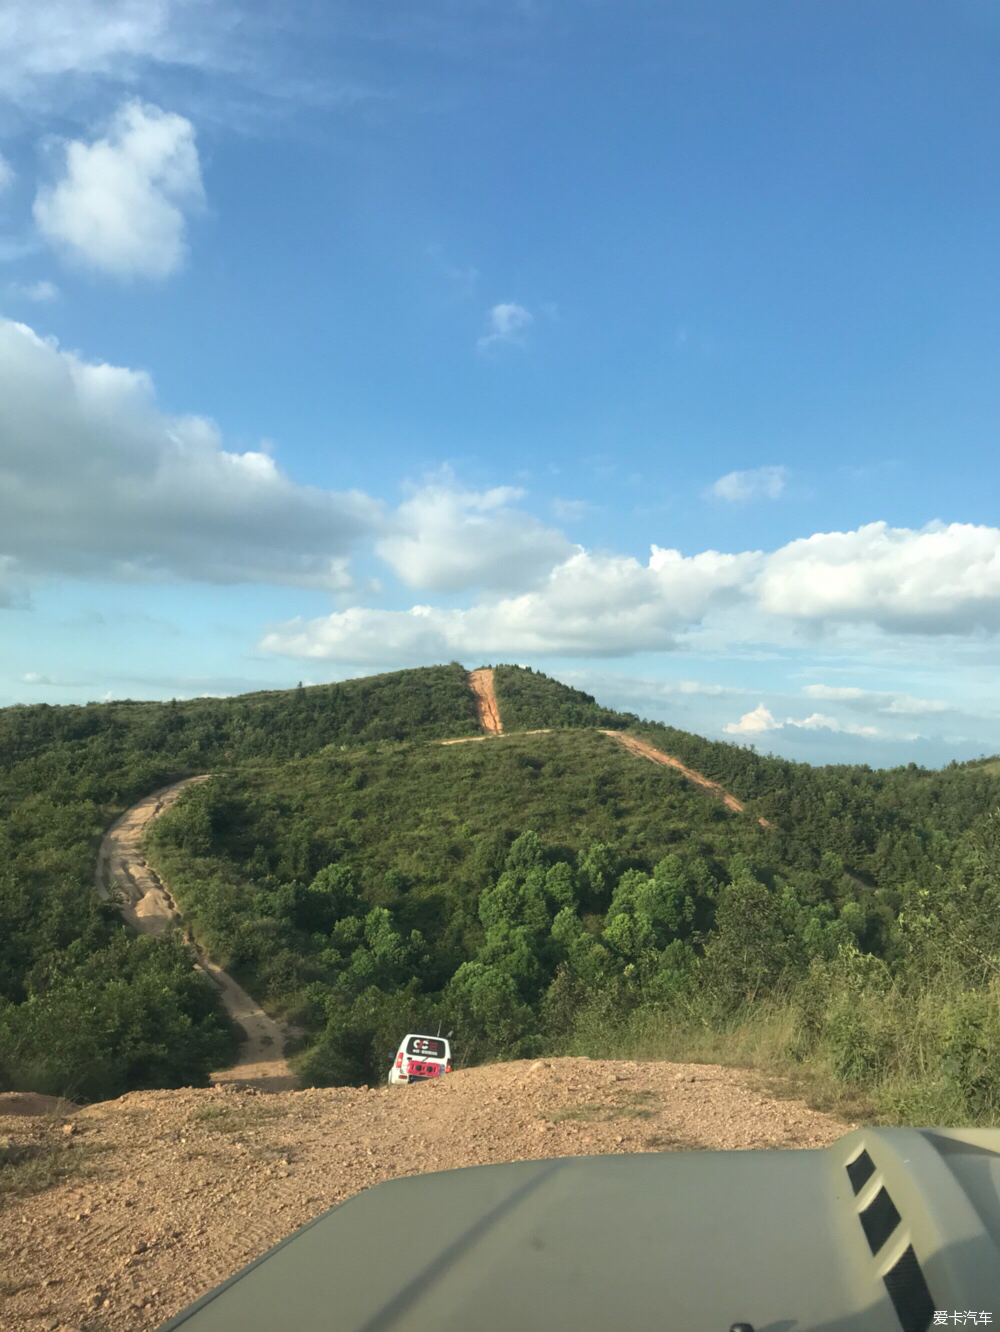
(649,751)
(481,684)
(149,908)
(181,1189)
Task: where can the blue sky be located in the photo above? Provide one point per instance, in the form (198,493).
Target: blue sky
(650,344)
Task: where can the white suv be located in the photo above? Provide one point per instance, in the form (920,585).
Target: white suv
(419,1058)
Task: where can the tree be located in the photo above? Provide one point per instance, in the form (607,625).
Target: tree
(746,954)
(483,1005)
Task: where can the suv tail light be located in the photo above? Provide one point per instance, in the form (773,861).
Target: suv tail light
(399,1060)
(447,1067)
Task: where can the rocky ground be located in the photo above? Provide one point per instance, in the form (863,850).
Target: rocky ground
(155,1198)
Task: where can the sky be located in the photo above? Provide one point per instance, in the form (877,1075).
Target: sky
(652,344)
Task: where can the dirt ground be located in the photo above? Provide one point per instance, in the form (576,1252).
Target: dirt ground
(149,908)
(173,1191)
(481,684)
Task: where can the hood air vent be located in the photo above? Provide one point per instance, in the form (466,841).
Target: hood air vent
(909,1294)
(860,1171)
(904,1281)
(879,1220)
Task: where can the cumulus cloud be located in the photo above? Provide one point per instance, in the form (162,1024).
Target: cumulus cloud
(97,481)
(739,487)
(40,292)
(589,605)
(762,719)
(751,723)
(448,539)
(507,321)
(942,579)
(122,203)
(609,605)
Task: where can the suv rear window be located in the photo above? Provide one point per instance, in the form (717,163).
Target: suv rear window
(427,1047)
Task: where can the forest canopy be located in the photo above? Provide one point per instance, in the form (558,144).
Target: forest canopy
(361,879)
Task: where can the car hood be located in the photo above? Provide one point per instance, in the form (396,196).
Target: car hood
(872,1234)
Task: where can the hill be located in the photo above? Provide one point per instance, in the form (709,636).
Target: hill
(542,892)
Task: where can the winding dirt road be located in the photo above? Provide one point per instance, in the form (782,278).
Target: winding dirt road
(148,907)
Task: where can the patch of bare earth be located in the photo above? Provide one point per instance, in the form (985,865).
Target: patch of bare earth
(649,751)
(177,1190)
(149,908)
(481,684)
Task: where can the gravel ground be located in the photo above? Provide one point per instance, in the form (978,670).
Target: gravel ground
(170,1192)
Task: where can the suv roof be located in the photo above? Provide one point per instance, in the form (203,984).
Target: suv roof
(423,1036)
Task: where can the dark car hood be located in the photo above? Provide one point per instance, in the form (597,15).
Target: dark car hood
(870,1235)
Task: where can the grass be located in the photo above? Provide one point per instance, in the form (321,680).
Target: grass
(640,1105)
(880,1055)
(32,1167)
(758,1042)
(235,1119)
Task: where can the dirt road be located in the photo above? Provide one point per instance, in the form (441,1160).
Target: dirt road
(481,684)
(649,751)
(174,1191)
(467,739)
(149,908)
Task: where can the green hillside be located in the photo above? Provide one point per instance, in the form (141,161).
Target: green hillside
(535,892)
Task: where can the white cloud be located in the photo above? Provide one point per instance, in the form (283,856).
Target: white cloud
(609,605)
(699,687)
(762,719)
(61,36)
(6,174)
(507,322)
(49,681)
(817,721)
(942,579)
(739,487)
(96,481)
(40,292)
(46,41)
(122,203)
(878,700)
(448,539)
(752,723)
(593,605)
